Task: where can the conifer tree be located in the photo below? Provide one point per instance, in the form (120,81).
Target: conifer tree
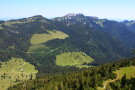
(123,81)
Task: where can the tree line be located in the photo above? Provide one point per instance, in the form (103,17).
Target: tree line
(85,79)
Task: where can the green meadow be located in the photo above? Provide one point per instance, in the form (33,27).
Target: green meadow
(50,35)
(73,59)
(129,71)
(15,71)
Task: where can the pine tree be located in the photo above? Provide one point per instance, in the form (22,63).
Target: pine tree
(31,76)
(123,81)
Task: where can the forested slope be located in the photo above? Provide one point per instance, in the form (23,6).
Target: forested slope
(39,40)
(85,79)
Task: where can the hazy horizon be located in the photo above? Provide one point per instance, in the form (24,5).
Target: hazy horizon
(109,9)
(14,18)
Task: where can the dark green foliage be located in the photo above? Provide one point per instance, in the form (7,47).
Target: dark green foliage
(80,80)
(124,84)
(123,81)
(95,41)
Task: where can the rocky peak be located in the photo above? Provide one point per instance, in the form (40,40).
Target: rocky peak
(70,17)
(129,23)
(92,17)
(73,15)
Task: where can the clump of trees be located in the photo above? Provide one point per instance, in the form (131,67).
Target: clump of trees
(124,84)
(80,80)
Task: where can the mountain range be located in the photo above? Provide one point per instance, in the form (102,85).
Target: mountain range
(39,40)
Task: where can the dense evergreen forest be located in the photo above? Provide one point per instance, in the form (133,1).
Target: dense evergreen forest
(85,79)
(40,41)
(124,84)
(90,35)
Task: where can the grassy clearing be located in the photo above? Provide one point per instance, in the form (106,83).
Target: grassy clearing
(15,71)
(129,71)
(73,59)
(42,38)
(26,68)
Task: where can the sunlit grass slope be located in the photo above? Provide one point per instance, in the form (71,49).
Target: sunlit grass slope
(73,59)
(129,71)
(15,71)
(42,38)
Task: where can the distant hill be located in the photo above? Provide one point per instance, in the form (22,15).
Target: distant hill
(121,31)
(130,24)
(39,40)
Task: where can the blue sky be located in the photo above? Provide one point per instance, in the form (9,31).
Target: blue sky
(111,9)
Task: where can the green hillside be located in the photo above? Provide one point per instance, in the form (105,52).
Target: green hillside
(73,59)
(125,79)
(15,71)
(93,78)
(42,38)
(37,48)
(129,71)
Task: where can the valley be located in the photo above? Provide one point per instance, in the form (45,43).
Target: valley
(65,52)
(67,45)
